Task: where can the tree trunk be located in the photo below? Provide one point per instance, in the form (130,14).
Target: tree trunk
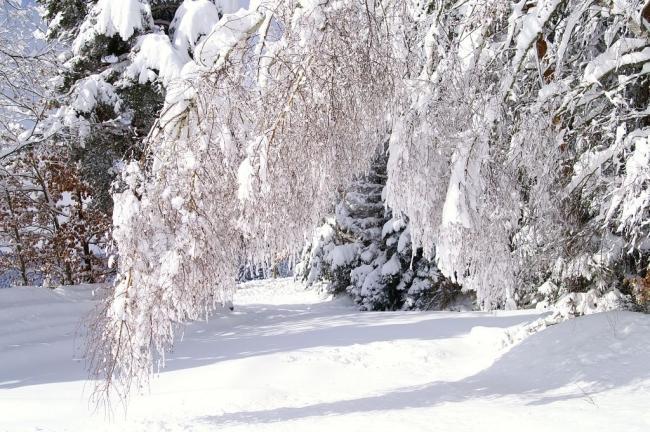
(19,242)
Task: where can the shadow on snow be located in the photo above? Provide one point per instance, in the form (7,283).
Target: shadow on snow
(553,365)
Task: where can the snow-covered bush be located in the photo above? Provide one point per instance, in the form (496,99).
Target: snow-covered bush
(329,257)
(398,277)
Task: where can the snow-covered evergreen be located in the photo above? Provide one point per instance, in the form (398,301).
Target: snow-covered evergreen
(365,252)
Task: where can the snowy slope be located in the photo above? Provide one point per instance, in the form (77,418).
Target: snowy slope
(287,360)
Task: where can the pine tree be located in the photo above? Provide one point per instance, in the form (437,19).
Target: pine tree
(367,253)
(107,96)
(106,115)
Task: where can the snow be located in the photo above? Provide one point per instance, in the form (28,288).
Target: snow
(92,91)
(343,255)
(228,32)
(245,180)
(155,52)
(122,17)
(632,197)
(287,359)
(88,94)
(230,6)
(392,226)
(588,303)
(404,241)
(194,18)
(38,327)
(392,266)
(621,53)
(532,25)
(126,208)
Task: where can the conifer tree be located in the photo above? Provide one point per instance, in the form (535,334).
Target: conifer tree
(107,95)
(365,252)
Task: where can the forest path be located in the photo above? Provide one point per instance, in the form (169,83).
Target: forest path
(288,359)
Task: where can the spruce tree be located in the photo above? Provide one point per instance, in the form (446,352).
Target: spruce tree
(366,252)
(110,88)
(105,116)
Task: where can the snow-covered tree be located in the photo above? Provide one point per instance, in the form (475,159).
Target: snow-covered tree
(536,106)
(365,252)
(24,62)
(120,56)
(65,137)
(336,246)
(37,242)
(518,132)
(258,118)
(54,236)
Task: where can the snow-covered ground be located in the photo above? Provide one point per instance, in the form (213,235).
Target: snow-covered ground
(288,360)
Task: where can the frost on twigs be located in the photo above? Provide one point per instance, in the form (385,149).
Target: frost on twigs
(257,135)
(518,151)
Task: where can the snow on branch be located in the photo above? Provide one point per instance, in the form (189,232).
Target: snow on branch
(235,161)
